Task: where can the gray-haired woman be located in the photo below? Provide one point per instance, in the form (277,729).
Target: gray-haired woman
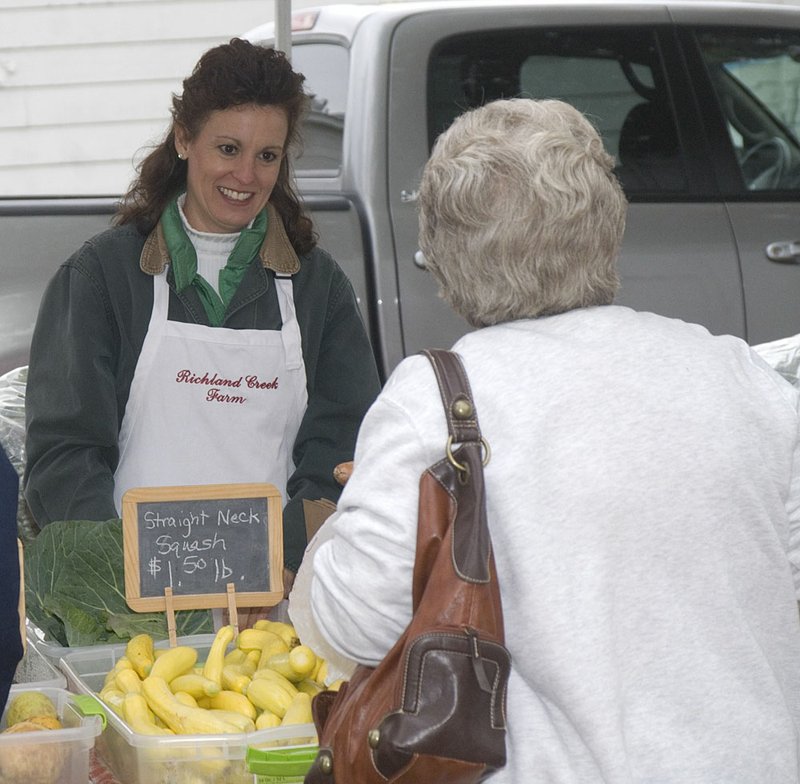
(643,493)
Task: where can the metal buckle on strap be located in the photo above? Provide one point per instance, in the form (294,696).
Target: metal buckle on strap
(487,455)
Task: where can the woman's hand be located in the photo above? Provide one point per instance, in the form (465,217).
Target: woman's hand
(341,473)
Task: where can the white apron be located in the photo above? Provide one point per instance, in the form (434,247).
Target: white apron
(211,405)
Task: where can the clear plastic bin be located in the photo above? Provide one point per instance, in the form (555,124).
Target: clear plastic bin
(49,756)
(54,653)
(135,758)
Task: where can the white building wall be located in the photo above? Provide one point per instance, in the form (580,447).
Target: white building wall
(86,85)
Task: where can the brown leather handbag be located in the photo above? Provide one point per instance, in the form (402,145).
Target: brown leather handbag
(434,709)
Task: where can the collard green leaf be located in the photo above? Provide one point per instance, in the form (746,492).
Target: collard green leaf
(129,625)
(80,627)
(75,588)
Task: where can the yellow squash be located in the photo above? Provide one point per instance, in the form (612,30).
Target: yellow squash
(299,711)
(181,718)
(141,654)
(139,717)
(268,695)
(233,701)
(174,662)
(212,669)
(296,665)
(195,684)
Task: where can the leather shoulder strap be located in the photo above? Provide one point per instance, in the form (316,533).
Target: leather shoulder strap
(459,407)
(461,473)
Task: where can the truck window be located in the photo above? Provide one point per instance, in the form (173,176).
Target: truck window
(326,68)
(756,76)
(616,79)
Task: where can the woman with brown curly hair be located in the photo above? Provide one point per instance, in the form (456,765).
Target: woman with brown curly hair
(203,339)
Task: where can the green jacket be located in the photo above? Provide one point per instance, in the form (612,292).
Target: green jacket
(91,326)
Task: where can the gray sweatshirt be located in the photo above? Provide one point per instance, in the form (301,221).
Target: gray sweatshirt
(644,504)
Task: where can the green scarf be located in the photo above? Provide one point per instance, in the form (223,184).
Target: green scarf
(184,261)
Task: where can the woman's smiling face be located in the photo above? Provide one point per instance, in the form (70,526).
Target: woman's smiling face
(233,164)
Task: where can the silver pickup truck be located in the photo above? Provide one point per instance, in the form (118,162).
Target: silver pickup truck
(699,102)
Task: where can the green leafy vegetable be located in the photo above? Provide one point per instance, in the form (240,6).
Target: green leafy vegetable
(75,588)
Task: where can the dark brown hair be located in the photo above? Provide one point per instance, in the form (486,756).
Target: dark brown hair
(232,74)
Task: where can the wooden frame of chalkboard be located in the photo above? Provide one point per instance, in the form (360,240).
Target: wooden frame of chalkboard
(197,540)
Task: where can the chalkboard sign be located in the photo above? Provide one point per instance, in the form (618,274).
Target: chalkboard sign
(197,540)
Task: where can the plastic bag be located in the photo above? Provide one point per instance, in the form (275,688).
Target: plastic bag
(12,439)
(784,356)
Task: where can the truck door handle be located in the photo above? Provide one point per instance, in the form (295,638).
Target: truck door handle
(784,252)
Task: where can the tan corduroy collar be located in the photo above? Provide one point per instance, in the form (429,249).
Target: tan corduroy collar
(276,254)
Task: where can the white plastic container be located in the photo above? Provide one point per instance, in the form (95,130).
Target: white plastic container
(135,758)
(50,756)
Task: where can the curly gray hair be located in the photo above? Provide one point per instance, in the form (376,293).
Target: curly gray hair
(520,213)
